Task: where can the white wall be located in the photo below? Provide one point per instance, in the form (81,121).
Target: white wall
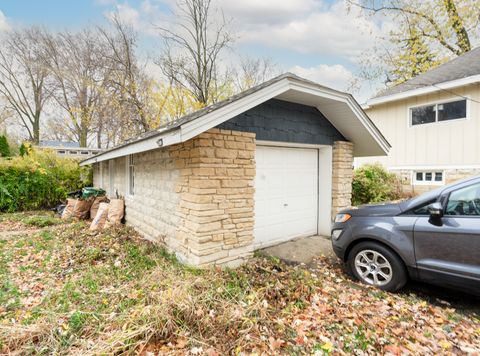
(450,143)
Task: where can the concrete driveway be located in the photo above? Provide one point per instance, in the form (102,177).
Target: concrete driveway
(301,250)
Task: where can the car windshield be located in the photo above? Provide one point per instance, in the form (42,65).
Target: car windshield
(429,196)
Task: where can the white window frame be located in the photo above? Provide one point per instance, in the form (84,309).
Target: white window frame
(436,103)
(428,182)
(130,186)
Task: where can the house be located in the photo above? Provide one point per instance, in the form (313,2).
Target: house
(265,166)
(433,124)
(69,149)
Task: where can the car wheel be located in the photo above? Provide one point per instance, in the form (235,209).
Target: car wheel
(377,265)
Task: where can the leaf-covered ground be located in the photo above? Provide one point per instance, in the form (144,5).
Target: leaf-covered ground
(65,290)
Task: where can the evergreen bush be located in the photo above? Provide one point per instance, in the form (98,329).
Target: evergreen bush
(4,147)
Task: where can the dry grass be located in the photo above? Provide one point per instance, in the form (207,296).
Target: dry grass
(65,290)
(69,291)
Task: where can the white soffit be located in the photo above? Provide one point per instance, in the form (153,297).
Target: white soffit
(339,108)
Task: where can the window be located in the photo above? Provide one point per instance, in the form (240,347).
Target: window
(131,175)
(464,201)
(61,152)
(84,152)
(427,114)
(73,152)
(428,178)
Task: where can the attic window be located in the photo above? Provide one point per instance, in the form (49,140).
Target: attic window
(438,112)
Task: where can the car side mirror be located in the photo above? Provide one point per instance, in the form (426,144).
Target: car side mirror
(435,210)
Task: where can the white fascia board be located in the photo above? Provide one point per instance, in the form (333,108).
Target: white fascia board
(206,122)
(197,126)
(370,126)
(424,90)
(352,104)
(216,117)
(169,138)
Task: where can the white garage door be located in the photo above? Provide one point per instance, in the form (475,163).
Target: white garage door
(286,194)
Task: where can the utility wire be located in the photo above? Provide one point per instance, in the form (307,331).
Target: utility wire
(445,90)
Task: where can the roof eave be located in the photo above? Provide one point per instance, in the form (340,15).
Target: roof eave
(193,128)
(423,91)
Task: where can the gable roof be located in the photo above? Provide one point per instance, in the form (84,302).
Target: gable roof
(339,108)
(462,70)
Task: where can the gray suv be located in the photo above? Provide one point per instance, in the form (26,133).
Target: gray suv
(434,237)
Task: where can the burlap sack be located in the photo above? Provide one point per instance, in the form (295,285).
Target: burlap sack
(68,211)
(100,218)
(82,208)
(115,212)
(96,204)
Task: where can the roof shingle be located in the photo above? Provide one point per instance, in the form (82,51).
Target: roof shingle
(460,67)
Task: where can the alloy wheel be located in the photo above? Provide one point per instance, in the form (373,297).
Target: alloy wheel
(373,268)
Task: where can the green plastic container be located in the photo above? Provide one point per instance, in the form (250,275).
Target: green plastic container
(88,192)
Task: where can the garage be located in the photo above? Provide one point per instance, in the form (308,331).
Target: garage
(286,193)
(265,166)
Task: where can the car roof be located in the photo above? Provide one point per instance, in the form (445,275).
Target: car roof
(434,194)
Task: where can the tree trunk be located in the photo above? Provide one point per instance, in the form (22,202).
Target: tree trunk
(36,129)
(83,137)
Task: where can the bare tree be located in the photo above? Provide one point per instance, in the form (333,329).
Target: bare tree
(131,87)
(253,71)
(192,49)
(23,77)
(80,73)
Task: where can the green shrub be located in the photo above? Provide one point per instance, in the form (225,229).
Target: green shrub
(38,180)
(4,147)
(372,183)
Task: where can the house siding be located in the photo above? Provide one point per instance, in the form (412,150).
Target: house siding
(282,121)
(452,146)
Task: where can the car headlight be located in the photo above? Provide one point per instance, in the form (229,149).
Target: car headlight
(341,218)
(336,234)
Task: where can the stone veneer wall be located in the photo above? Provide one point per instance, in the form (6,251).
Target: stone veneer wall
(197,197)
(342,176)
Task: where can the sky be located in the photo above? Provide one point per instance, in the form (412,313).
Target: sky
(316,39)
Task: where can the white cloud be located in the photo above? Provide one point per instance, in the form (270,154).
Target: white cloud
(266,12)
(304,26)
(144,18)
(334,76)
(337,77)
(127,14)
(4,25)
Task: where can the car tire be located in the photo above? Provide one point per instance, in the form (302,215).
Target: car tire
(375,264)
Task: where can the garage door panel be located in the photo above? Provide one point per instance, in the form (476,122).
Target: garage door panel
(286,193)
